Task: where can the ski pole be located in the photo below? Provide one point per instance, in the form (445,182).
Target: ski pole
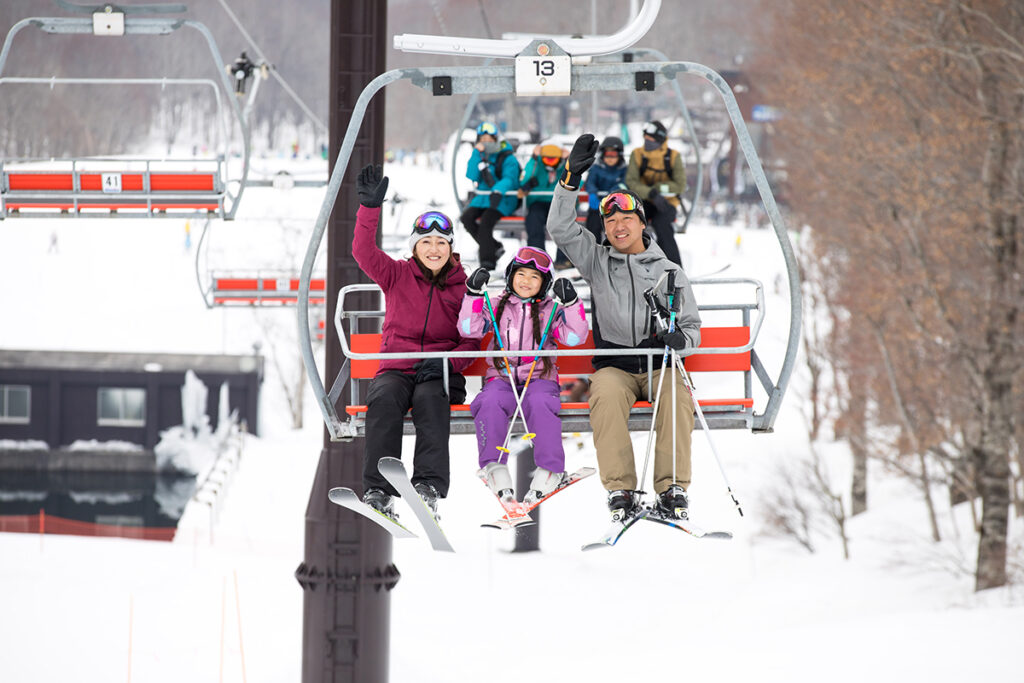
(671,328)
(652,303)
(711,443)
(511,380)
(519,407)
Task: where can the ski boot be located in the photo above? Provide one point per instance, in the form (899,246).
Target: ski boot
(673,503)
(380,501)
(499,481)
(429,495)
(543,483)
(621,503)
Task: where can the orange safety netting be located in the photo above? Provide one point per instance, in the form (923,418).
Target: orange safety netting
(43,523)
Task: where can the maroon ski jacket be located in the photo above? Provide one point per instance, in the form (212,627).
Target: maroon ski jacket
(419,315)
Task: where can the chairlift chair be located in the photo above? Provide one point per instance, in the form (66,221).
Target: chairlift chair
(110,187)
(554,55)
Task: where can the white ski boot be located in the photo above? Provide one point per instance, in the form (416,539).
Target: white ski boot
(499,481)
(544,482)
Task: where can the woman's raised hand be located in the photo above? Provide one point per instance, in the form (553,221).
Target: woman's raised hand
(371,186)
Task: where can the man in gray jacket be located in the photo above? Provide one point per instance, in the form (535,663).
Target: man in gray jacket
(619,268)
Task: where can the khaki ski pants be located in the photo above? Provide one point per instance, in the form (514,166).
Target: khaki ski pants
(612,394)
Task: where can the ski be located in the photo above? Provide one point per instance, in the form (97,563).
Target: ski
(578,475)
(615,531)
(348,499)
(393,470)
(686,525)
(515,514)
(513,519)
(521,516)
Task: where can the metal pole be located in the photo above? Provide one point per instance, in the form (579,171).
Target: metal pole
(347,574)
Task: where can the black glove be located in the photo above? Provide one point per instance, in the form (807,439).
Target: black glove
(486,177)
(530,184)
(581,158)
(653,194)
(477,281)
(676,339)
(431,369)
(563,292)
(371,185)
(496,198)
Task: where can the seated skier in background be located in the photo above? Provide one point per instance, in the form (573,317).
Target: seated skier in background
(526,319)
(495,170)
(541,175)
(656,170)
(619,268)
(422,297)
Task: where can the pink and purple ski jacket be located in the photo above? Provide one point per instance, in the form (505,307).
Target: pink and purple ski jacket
(516,326)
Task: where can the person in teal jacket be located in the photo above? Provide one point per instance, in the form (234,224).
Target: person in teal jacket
(494,169)
(542,172)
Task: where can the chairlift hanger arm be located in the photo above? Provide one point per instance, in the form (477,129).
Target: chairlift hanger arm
(124,9)
(577,47)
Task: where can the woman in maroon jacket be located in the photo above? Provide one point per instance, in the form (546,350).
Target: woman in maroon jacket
(422,297)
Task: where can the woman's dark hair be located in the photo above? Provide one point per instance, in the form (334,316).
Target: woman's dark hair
(499,363)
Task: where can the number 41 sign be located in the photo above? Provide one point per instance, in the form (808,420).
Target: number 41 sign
(544,74)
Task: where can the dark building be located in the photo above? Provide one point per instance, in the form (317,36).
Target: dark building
(59,397)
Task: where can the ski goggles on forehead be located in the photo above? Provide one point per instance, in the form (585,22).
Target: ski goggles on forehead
(618,201)
(432,220)
(535,258)
(551,161)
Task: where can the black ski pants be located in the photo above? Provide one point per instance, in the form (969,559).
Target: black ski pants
(391,395)
(479,223)
(660,216)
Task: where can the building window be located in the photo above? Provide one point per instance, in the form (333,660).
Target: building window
(122,407)
(15,401)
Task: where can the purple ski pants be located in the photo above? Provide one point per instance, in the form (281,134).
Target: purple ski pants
(494,406)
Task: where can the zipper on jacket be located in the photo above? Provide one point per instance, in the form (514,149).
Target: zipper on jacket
(522,321)
(426,318)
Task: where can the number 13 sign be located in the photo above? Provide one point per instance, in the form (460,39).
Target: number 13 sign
(543,75)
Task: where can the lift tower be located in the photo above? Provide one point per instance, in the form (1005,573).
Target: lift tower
(346,574)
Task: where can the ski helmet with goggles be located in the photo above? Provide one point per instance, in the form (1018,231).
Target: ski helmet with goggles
(550,155)
(612,142)
(657,131)
(622,200)
(486,128)
(431,223)
(530,257)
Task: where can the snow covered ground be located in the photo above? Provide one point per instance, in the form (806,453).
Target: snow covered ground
(226,607)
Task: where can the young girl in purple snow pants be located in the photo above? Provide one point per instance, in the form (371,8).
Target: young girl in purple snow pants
(522,313)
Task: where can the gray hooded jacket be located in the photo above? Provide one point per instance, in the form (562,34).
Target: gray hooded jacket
(617,283)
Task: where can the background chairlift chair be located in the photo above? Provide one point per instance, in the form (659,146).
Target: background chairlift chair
(104,187)
(516,221)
